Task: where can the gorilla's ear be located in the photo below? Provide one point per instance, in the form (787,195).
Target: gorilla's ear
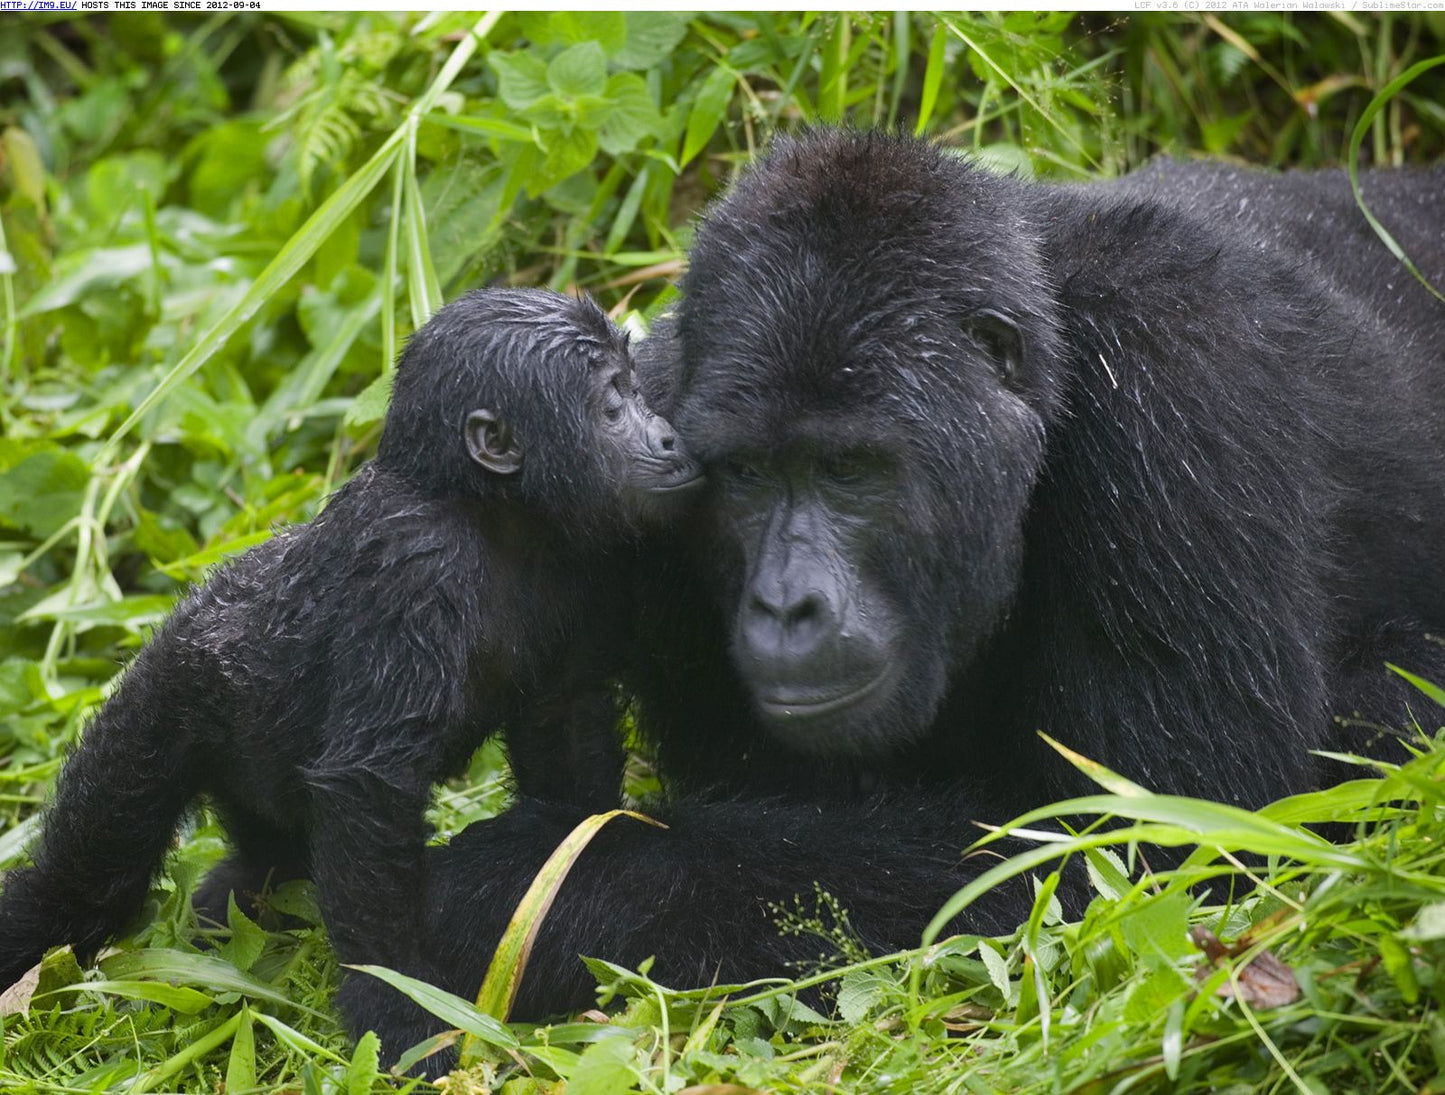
(1005,344)
(491,443)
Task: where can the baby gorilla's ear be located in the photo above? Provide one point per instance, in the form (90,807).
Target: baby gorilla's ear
(491,443)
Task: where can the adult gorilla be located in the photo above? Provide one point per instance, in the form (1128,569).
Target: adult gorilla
(1151,465)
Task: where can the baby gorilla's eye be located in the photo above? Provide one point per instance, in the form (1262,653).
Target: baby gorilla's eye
(614,402)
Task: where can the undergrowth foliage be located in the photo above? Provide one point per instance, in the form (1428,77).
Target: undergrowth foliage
(216,231)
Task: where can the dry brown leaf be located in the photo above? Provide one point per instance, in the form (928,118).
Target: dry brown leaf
(16,999)
(1264,981)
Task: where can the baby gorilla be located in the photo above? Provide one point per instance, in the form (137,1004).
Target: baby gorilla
(472,577)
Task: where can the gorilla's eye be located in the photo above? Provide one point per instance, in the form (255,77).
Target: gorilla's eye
(845,467)
(745,469)
(613,401)
(1004,343)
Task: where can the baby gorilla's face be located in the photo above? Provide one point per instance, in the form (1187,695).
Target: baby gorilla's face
(640,448)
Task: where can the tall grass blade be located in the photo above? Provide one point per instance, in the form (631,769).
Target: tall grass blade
(1357,138)
(504,975)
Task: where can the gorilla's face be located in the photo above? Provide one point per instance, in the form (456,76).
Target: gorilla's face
(871,415)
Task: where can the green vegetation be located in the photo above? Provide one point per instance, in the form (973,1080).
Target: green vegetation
(216,232)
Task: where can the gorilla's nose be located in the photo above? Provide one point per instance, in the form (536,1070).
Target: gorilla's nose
(778,625)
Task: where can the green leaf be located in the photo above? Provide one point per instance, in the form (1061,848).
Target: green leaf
(523,78)
(504,975)
(203,970)
(605,1068)
(14,840)
(1434,691)
(462,1014)
(1155,929)
(1400,966)
(186,1001)
(370,403)
(580,70)
(363,1070)
(1156,994)
(241,1068)
(707,111)
(997,967)
(1377,104)
(932,78)
(41,486)
(27,170)
(247,940)
(1104,777)
(491,127)
(164,544)
(1428,925)
(1106,872)
(608,29)
(79,273)
(628,117)
(567,154)
(651,37)
(133,613)
(859,992)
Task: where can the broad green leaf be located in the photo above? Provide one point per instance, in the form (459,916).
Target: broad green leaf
(462,1014)
(371,402)
(997,967)
(185,1000)
(577,71)
(1160,989)
(1155,928)
(522,78)
(41,485)
(362,1072)
(605,1068)
(707,111)
(627,118)
(567,154)
(241,1068)
(651,37)
(78,273)
(202,970)
(859,992)
(133,613)
(608,29)
(247,939)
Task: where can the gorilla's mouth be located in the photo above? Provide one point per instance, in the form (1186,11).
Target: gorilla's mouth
(685,480)
(779,705)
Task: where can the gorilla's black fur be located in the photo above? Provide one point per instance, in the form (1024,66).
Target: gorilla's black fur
(472,576)
(1151,465)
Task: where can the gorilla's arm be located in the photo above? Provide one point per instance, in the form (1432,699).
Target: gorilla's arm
(698,894)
